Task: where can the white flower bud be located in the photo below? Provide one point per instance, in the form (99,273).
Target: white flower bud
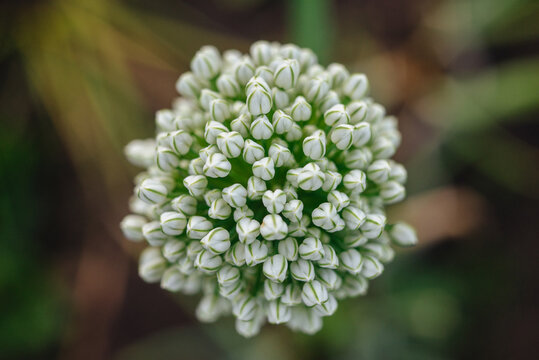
(327,308)
(375,113)
(245,308)
(206,63)
(195,184)
(243,212)
(362,134)
(301,110)
(208,262)
(209,308)
(339,199)
(206,97)
(317,89)
(274,201)
(244,70)
(325,216)
(354,240)
(280,98)
(261,128)
(180,141)
(311,177)
(330,260)
(196,167)
(193,249)
(264,168)
(217,166)
(373,226)
(294,134)
(289,248)
(219,110)
(173,279)
(292,176)
(230,143)
(383,148)
(286,74)
(212,130)
(392,192)
(278,313)
(153,233)
(293,210)
(329,278)
(353,217)
(242,125)
(331,180)
(314,293)
(173,250)
(219,210)
(280,154)
(336,115)
(397,173)
(173,223)
(272,290)
(311,249)
(140,153)
(383,252)
(351,261)
(152,265)
(248,230)
(403,234)
(302,270)
(355,181)
(378,171)
(343,136)
(358,158)
(216,241)
(252,151)
(357,111)
(249,328)
(356,87)
(259,100)
(314,146)
(188,85)
(131,226)
(329,101)
(282,122)
(372,267)
(273,227)
(255,253)
(166,159)
(228,86)
(338,74)
(236,254)
(256,188)
(198,227)
(275,268)
(235,195)
(211,195)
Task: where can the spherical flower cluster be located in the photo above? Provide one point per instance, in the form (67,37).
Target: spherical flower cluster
(265,186)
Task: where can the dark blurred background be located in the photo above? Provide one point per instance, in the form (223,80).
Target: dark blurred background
(81,78)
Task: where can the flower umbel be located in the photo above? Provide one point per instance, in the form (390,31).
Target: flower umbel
(265,188)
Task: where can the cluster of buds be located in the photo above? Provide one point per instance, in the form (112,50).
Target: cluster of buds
(265,186)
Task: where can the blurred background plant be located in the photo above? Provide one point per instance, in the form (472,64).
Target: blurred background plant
(80,78)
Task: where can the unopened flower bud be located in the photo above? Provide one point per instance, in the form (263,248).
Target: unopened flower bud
(278,313)
(351,261)
(261,128)
(188,85)
(131,226)
(280,98)
(317,89)
(311,177)
(325,216)
(392,192)
(259,100)
(208,262)
(403,234)
(248,230)
(166,159)
(372,267)
(195,184)
(302,270)
(255,253)
(264,168)
(152,265)
(383,148)
(256,188)
(261,52)
(140,153)
(219,210)
(294,134)
(209,308)
(153,233)
(293,210)
(291,295)
(198,227)
(327,308)
(329,278)
(353,217)
(338,74)
(330,260)
(339,199)
(311,249)
(252,151)
(173,250)
(286,74)
(212,130)
(289,248)
(358,158)
(196,167)
(273,227)
(217,166)
(216,241)
(314,146)
(275,268)
(235,195)
(378,171)
(314,293)
(357,111)
(243,212)
(336,115)
(282,122)
(206,98)
(206,63)
(272,290)
(373,226)
(355,181)
(274,201)
(301,110)
(343,136)
(228,85)
(173,279)
(356,87)
(244,70)
(332,180)
(245,308)
(230,143)
(173,223)
(280,154)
